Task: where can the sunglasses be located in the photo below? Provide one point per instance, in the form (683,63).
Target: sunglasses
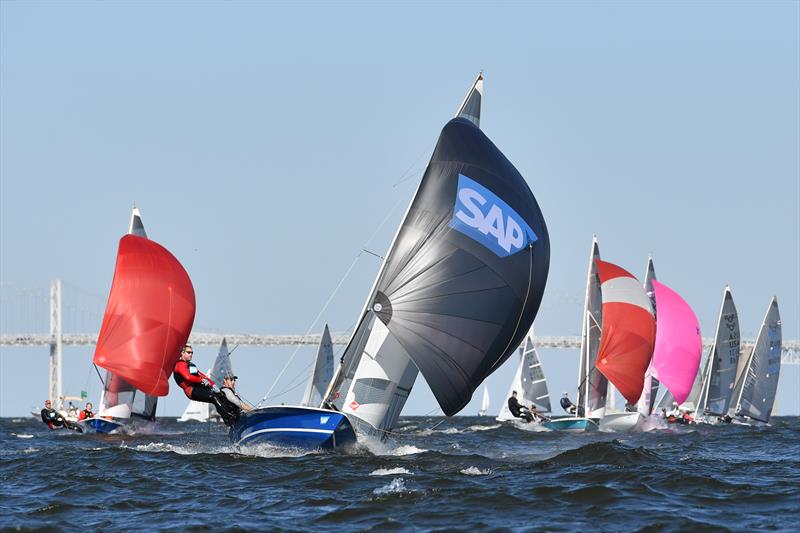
(190,353)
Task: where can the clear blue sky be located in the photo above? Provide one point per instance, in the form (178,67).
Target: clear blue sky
(266,142)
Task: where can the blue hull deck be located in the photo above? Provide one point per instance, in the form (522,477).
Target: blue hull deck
(99,425)
(298,427)
(571,423)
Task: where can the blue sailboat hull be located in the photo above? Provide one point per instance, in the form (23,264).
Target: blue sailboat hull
(99,425)
(571,423)
(297,427)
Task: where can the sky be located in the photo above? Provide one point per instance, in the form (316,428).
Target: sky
(268,143)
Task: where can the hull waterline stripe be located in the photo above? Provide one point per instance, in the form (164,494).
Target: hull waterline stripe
(285,430)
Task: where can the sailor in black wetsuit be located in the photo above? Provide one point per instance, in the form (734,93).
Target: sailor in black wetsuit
(567,404)
(519,411)
(53,418)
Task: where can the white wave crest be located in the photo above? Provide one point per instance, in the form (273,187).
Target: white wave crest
(397,485)
(483,428)
(406,449)
(389,471)
(475,471)
(258,450)
(23,435)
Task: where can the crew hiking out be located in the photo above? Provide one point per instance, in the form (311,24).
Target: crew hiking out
(200,388)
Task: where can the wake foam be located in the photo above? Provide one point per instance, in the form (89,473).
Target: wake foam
(389,471)
(475,471)
(397,486)
(259,450)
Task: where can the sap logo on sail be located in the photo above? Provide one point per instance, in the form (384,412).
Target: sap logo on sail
(484,217)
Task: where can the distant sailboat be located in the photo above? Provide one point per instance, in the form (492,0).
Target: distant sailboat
(484,402)
(648,399)
(455,295)
(592,384)
(148,318)
(627,340)
(202,411)
(321,372)
(718,378)
(529,382)
(755,395)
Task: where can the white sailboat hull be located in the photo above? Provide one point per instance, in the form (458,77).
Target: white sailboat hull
(617,422)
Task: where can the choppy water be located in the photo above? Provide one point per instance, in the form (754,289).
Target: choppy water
(467,473)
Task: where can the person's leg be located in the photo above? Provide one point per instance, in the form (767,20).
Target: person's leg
(203,394)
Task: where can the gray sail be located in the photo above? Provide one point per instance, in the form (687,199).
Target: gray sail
(698,388)
(471,106)
(666,401)
(136,226)
(121,399)
(222,364)
(723,359)
(532,380)
(451,299)
(763,369)
(321,372)
(592,384)
(650,389)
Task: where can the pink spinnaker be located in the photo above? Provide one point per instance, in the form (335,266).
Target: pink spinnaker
(679,345)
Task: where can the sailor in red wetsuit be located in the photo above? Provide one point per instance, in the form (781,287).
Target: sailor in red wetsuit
(196,385)
(86,413)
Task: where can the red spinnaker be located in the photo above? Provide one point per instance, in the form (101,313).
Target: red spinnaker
(148,318)
(629,331)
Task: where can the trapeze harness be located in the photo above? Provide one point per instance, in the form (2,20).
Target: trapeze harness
(190,379)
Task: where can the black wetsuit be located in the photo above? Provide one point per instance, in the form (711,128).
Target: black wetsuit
(567,405)
(52,418)
(518,410)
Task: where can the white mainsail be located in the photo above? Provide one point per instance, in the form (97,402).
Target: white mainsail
(592,384)
(760,380)
(484,402)
(529,381)
(721,363)
(321,371)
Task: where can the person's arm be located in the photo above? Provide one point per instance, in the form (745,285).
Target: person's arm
(183,370)
(204,377)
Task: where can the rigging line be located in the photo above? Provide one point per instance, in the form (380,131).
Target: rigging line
(99,376)
(524,303)
(313,324)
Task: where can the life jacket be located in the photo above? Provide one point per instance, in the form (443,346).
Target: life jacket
(85,414)
(191,368)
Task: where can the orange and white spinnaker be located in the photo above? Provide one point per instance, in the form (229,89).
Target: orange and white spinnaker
(629,330)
